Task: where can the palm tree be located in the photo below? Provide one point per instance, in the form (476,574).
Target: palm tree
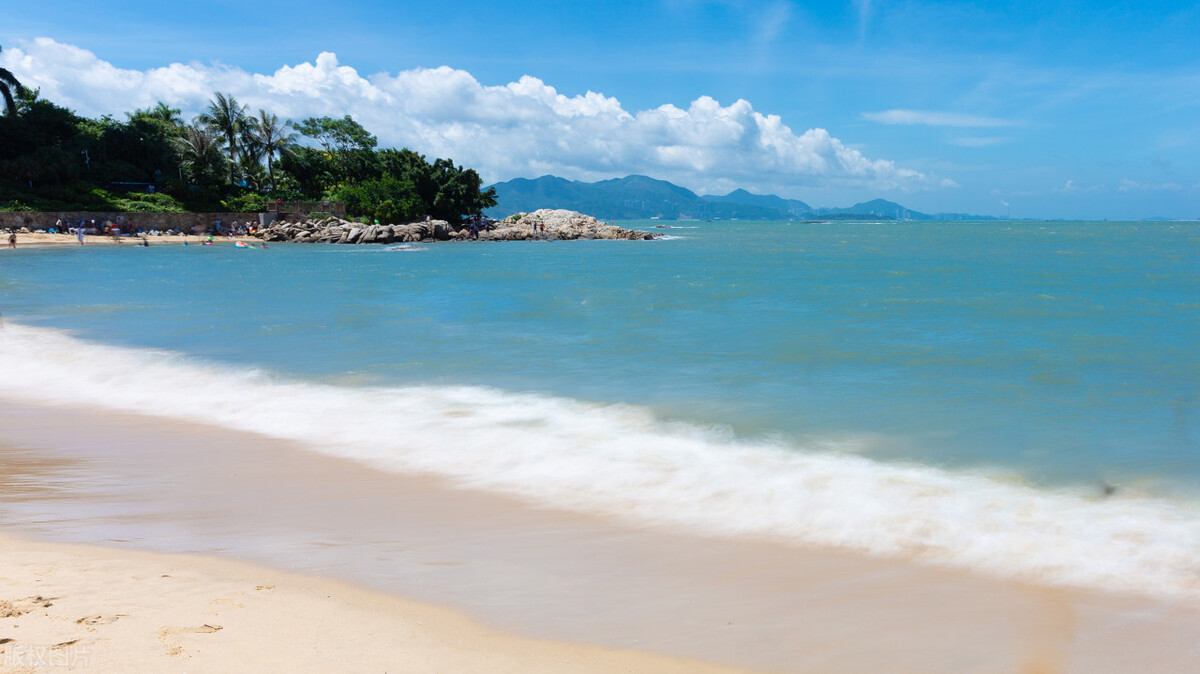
(199,151)
(166,114)
(273,137)
(8,86)
(227,118)
(252,153)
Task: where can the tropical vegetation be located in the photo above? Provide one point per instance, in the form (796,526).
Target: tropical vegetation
(228,158)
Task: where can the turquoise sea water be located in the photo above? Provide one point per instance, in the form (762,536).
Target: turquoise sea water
(1051,359)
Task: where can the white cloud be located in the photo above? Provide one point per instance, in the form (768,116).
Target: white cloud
(864,16)
(1128,185)
(981,141)
(933,118)
(1072,187)
(523,128)
(772,21)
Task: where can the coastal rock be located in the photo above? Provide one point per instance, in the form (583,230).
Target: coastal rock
(551,224)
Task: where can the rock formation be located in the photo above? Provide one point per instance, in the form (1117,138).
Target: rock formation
(558,225)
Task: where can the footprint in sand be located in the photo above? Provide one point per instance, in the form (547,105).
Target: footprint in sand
(175,649)
(203,629)
(19,607)
(100,619)
(233,600)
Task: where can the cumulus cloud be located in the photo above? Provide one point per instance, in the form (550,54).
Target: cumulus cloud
(933,118)
(520,129)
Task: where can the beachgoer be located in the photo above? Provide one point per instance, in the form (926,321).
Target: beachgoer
(12,240)
(145,242)
(79,235)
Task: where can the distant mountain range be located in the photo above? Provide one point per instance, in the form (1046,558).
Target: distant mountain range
(638,198)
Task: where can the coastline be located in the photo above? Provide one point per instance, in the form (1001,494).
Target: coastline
(44,239)
(95,608)
(148,484)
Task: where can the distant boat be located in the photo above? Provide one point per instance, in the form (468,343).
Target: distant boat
(656,217)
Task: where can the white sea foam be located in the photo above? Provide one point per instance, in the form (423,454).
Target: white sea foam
(621,460)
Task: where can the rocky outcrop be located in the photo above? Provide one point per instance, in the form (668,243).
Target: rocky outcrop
(551,225)
(559,224)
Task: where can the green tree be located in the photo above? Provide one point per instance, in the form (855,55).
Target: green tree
(313,170)
(226,117)
(8,86)
(148,143)
(163,113)
(274,137)
(348,147)
(41,143)
(200,155)
(337,134)
(387,199)
(448,192)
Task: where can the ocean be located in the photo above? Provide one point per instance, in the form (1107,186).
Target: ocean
(1015,399)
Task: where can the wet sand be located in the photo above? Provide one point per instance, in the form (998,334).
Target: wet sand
(136,483)
(90,608)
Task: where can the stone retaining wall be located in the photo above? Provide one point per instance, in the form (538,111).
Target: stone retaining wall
(163,221)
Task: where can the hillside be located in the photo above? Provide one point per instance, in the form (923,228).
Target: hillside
(629,198)
(638,197)
(792,207)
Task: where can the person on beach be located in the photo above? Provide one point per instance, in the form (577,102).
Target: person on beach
(12,240)
(79,235)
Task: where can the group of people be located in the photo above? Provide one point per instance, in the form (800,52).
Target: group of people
(234,228)
(79,229)
(475,224)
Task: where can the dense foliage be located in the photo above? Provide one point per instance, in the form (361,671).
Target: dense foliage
(226,159)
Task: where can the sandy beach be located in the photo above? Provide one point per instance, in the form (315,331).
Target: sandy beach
(91,608)
(134,484)
(46,239)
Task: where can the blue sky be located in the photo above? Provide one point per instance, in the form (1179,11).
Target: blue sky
(1055,110)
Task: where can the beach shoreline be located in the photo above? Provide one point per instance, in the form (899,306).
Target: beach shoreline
(45,239)
(140,483)
(95,608)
